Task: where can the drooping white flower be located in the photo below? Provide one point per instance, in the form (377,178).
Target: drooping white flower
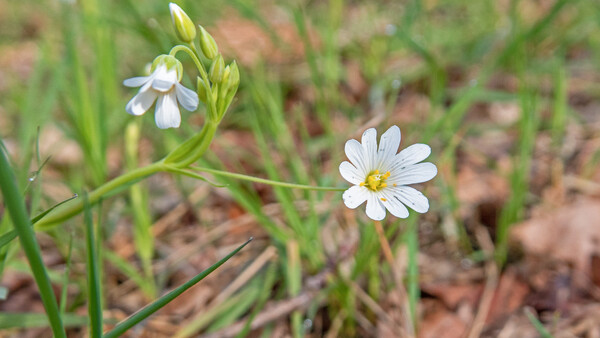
(380,175)
(162,86)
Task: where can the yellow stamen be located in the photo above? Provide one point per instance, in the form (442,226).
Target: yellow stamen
(395,185)
(383,199)
(375,180)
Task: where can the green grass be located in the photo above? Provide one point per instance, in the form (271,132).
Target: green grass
(453,56)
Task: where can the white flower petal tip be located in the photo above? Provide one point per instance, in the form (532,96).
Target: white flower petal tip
(380,175)
(163,87)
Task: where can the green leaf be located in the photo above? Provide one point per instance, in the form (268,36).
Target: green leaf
(47,211)
(16,208)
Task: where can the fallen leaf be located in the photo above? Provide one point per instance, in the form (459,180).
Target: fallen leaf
(570,233)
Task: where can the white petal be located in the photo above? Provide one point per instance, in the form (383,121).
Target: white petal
(140,103)
(388,147)
(136,81)
(187,97)
(412,198)
(394,205)
(415,173)
(369,144)
(375,208)
(162,85)
(167,112)
(350,173)
(355,154)
(165,79)
(355,196)
(412,154)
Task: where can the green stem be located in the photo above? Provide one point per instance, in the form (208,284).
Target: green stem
(62,214)
(264,181)
(193,53)
(16,208)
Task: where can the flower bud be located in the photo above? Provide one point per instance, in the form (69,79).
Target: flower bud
(208,44)
(226,73)
(201,90)
(217,69)
(184,27)
(233,80)
(169,61)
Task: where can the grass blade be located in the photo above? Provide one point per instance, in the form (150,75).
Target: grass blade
(268,282)
(65,281)
(46,212)
(33,320)
(148,310)
(14,203)
(93,277)
(537,324)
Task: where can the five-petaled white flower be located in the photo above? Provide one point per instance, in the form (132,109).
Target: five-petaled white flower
(380,175)
(163,84)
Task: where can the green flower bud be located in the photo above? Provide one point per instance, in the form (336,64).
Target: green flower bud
(184,27)
(233,80)
(226,73)
(201,90)
(208,44)
(217,70)
(169,61)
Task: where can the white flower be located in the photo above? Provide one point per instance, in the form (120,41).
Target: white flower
(380,176)
(163,84)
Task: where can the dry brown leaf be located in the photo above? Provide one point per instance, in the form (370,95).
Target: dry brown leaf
(509,296)
(440,322)
(453,295)
(570,233)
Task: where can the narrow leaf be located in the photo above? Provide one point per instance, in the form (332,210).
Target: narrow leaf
(93,279)
(16,208)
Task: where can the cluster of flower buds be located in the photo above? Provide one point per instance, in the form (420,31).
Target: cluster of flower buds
(223,79)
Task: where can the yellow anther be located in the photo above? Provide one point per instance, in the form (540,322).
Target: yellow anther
(383,199)
(376,180)
(395,185)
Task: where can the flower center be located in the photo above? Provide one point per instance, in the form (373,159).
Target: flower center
(375,180)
